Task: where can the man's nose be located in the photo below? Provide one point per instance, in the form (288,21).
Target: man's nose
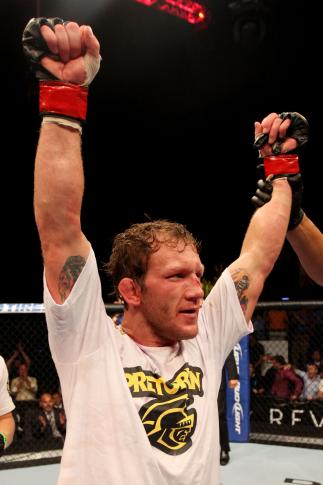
(195,291)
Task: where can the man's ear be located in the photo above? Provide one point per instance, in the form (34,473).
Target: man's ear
(130,291)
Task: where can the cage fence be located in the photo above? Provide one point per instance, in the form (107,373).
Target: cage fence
(290,332)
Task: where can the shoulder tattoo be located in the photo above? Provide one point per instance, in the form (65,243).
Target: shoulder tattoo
(241,282)
(69,274)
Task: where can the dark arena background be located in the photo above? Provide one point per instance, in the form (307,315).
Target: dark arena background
(170,126)
(169,134)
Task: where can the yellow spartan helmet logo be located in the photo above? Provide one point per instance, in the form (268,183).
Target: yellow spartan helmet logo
(169,424)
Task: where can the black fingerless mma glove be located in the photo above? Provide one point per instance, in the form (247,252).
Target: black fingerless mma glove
(298,130)
(35,48)
(264,192)
(296,213)
(285,165)
(56,98)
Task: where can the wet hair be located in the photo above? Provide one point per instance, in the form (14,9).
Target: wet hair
(132,248)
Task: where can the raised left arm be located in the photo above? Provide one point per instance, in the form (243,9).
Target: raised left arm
(261,247)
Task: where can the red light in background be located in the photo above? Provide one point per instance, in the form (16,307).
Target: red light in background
(192,12)
(148,3)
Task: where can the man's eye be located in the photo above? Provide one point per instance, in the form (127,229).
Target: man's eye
(176,276)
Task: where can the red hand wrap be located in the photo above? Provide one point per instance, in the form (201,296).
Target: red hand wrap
(69,100)
(281,164)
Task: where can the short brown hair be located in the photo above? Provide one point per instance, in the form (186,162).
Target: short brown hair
(132,248)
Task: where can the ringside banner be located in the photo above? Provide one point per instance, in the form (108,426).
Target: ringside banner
(238,399)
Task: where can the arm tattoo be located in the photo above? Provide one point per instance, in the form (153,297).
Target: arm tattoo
(241,282)
(69,274)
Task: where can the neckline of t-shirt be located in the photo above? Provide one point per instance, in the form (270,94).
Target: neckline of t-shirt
(168,351)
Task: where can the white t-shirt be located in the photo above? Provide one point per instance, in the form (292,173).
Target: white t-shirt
(139,415)
(6,404)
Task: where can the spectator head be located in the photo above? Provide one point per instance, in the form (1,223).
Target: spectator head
(23,370)
(278,361)
(57,398)
(46,402)
(312,370)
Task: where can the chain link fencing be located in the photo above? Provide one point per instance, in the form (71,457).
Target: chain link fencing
(288,331)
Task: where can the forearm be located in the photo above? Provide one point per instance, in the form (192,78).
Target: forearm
(38,429)
(261,246)
(307,242)
(32,385)
(26,358)
(267,229)
(59,183)
(297,387)
(7,427)
(10,361)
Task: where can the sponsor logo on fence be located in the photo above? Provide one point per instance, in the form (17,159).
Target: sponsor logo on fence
(21,308)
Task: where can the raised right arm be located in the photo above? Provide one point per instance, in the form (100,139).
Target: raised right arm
(65,57)
(59,185)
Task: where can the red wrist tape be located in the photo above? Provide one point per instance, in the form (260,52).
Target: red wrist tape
(281,164)
(69,100)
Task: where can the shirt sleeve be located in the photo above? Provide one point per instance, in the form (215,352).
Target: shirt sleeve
(300,373)
(222,320)
(296,381)
(75,328)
